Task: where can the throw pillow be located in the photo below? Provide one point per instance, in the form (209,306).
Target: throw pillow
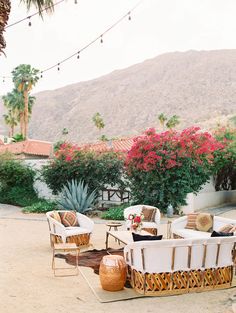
(56,216)
(229,228)
(220,234)
(204,222)
(148,214)
(137,237)
(69,218)
(191,221)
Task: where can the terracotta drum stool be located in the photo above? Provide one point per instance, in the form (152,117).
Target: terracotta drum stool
(112,272)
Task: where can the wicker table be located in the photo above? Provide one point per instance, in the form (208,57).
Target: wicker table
(114,225)
(65,248)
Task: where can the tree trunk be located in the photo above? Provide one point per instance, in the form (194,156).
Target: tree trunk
(12,131)
(22,123)
(5,7)
(26,114)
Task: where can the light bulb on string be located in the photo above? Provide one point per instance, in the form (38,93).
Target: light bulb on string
(78,55)
(29,24)
(41,75)
(76,1)
(58,66)
(129,18)
(3,79)
(101,40)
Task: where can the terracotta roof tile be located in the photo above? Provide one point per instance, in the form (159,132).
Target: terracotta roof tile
(30,147)
(123,145)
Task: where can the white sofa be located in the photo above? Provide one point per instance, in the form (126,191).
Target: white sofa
(61,234)
(177,266)
(178,227)
(149,226)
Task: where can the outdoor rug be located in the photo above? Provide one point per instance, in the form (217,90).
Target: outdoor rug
(89,267)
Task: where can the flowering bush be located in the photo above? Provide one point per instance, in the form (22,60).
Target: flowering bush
(225,159)
(136,221)
(163,168)
(96,169)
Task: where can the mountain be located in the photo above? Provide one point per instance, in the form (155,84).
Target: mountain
(196,85)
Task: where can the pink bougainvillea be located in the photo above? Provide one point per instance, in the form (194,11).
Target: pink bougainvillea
(167,150)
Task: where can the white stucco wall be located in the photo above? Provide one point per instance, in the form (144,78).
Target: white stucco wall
(40,186)
(208,197)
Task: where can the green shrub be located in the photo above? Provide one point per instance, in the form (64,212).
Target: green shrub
(115,213)
(95,169)
(20,196)
(42,206)
(16,183)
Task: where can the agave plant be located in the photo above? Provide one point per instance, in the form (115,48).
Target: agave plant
(75,196)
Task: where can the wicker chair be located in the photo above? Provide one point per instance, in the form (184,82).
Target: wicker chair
(151,227)
(80,235)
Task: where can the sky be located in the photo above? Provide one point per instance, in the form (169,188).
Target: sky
(156,27)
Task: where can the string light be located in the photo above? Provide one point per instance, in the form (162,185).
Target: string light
(29,21)
(100,37)
(36,13)
(76,1)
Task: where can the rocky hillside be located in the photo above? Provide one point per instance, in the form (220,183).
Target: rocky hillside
(196,85)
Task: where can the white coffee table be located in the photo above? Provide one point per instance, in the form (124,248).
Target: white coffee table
(124,236)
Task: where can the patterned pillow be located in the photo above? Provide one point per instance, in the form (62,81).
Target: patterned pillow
(149,214)
(204,222)
(229,228)
(56,216)
(69,218)
(191,220)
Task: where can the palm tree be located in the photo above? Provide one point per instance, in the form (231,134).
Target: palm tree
(5,8)
(173,121)
(98,121)
(24,78)
(11,120)
(162,119)
(14,101)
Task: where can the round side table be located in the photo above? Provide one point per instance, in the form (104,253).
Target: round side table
(112,272)
(113,225)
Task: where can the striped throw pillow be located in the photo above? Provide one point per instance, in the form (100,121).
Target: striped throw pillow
(191,221)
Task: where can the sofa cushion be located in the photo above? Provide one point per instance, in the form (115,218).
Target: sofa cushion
(56,216)
(221,234)
(204,222)
(72,231)
(191,221)
(137,237)
(69,218)
(148,214)
(229,228)
(189,233)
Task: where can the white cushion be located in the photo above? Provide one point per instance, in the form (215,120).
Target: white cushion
(190,233)
(72,231)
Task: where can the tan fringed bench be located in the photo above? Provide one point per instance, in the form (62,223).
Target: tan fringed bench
(177,266)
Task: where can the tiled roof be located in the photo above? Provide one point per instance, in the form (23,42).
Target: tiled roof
(123,145)
(30,147)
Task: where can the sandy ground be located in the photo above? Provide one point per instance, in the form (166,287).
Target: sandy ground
(27,284)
